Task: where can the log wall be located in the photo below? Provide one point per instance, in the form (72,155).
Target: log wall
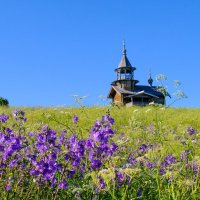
(117,98)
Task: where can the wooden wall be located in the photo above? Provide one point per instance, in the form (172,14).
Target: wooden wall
(117,98)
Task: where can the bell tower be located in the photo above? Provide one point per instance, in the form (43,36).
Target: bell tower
(125,73)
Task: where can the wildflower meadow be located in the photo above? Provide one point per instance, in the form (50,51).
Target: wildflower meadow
(100,153)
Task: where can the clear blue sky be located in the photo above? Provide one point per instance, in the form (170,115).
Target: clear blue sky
(51,49)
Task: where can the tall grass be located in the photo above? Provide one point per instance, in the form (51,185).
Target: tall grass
(149,153)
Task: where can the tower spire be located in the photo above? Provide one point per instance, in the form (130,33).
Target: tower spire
(124,48)
(124,60)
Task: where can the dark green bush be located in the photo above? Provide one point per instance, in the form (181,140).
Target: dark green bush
(3,102)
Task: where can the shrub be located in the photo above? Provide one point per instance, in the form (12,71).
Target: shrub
(3,102)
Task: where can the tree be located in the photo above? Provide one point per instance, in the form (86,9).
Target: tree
(3,102)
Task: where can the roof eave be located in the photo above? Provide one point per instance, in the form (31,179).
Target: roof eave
(142,92)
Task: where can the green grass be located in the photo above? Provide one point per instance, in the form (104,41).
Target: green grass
(164,129)
(125,118)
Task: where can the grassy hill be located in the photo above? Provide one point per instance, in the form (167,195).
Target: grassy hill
(148,153)
(124,117)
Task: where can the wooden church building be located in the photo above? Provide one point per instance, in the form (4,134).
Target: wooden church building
(125,89)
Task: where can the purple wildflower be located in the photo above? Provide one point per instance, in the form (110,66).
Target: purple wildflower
(45,169)
(76,149)
(62,185)
(30,134)
(132,160)
(8,186)
(13,163)
(89,144)
(71,172)
(107,119)
(113,147)
(62,138)
(1,148)
(19,115)
(149,165)
(162,168)
(96,164)
(143,148)
(76,162)
(169,159)
(53,182)
(3,118)
(46,139)
(9,143)
(195,166)
(186,152)
(120,178)
(97,145)
(139,194)
(42,148)
(191,131)
(102,183)
(18,112)
(75,119)
(183,156)
(169,180)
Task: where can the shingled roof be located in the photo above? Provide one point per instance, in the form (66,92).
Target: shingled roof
(124,62)
(148,89)
(121,90)
(138,89)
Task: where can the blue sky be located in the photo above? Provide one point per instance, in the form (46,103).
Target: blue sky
(52,49)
